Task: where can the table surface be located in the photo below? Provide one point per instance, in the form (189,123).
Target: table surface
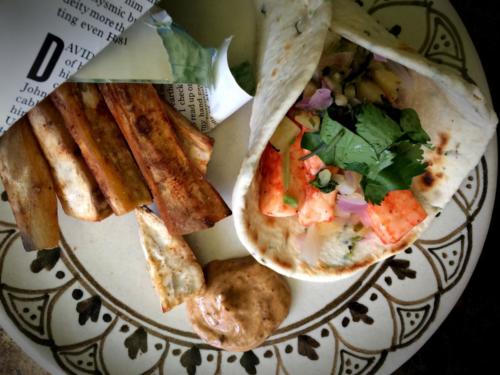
(461,345)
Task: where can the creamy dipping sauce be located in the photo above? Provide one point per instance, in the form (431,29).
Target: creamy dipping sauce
(243,304)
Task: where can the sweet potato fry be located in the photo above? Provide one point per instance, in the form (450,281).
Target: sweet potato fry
(103,147)
(196,145)
(75,185)
(26,178)
(186,201)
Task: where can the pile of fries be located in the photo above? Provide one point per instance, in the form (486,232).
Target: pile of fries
(103,149)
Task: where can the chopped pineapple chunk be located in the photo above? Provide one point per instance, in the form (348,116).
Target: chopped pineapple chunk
(307,120)
(368,91)
(285,134)
(388,82)
(310,89)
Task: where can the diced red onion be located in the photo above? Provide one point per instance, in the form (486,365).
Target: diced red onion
(345,187)
(379,58)
(308,245)
(365,219)
(341,213)
(311,247)
(320,100)
(353,178)
(348,183)
(352,203)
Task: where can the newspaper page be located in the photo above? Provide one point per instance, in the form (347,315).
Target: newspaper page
(45,42)
(206,107)
(196,80)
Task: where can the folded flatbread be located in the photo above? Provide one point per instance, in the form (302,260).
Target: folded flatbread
(453,112)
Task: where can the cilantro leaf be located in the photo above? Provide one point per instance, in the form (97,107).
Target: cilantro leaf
(386,153)
(345,147)
(375,191)
(385,159)
(376,127)
(311,141)
(410,123)
(360,168)
(330,129)
(407,163)
(336,145)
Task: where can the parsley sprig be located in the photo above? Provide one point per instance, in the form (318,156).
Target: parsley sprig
(385,149)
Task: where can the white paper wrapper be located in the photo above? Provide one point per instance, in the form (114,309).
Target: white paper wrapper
(152,50)
(44,42)
(144,58)
(207,107)
(226,96)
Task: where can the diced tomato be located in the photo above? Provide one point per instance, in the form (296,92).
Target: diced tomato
(306,120)
(398,213)
(272,189)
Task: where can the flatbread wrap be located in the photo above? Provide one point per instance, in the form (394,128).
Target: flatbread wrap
(356,141)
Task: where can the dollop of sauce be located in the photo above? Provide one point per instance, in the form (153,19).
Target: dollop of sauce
(243,304)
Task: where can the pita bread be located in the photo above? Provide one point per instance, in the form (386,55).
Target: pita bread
(454,113)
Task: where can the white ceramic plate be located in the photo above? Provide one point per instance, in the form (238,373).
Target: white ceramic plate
(89,306)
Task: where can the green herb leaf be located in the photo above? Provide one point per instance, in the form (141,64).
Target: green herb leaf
(407,163)
(330,129)
(311,141)
(375,191)
(291,201)
(345,147)
(360,168)
(387,156)
(385,159)
(410,123)
(376,127)
(324,181)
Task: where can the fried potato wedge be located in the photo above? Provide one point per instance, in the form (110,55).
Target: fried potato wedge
(75,185)
(103,147)
(196,145)
(26,179)
(186,201)
(174,270)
